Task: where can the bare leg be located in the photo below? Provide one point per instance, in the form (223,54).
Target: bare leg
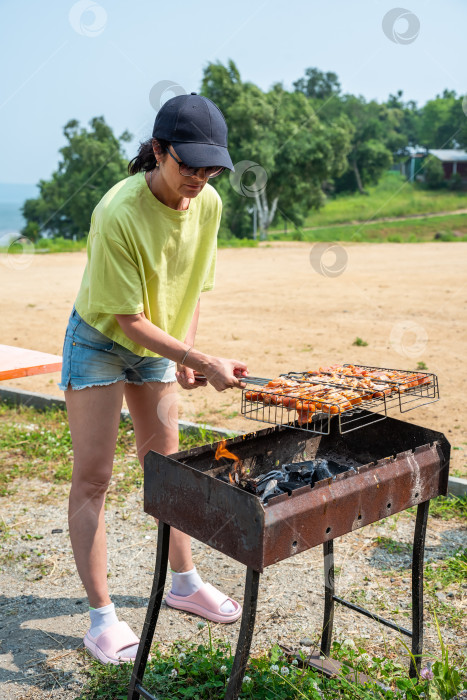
(154,410)
(94,415)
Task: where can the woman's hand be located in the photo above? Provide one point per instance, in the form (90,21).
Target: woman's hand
(225,374)
(189,378)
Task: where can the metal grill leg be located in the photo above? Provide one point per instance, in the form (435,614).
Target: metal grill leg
(328,622)
(417,587)
(250,601)
(152,613)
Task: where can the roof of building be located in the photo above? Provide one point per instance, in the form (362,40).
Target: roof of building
(450,155)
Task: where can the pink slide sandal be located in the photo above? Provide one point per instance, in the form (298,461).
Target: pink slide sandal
(206,602)
(111,642)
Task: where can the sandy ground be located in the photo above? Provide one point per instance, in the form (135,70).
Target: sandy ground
(273,309)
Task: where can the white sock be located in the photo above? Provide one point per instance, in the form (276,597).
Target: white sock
(189,582)
(101,619)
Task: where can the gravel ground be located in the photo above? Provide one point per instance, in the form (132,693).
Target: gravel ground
(43,609)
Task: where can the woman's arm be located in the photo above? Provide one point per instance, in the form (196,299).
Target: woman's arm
(221,373)
(190,336)
(186,377)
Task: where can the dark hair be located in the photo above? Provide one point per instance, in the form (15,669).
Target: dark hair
(145,159)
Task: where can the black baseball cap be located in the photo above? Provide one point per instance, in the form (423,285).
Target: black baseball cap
(197,130)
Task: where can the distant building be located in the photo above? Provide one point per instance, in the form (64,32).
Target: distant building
(454,161)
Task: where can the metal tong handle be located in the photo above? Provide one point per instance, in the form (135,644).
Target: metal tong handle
(261,381)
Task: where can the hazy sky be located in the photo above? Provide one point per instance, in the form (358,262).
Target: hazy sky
(62,60)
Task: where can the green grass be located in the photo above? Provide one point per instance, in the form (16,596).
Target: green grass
(359,342)
(448,507)
(201,672)
(37,444)
(392,196)
(410,231)
(46,245)
(62,245)
(448,571)
(236,243)
(393,546)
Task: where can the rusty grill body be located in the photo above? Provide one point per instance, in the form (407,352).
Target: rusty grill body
(398,465)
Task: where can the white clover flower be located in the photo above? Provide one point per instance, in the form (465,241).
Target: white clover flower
(174,673)
(181,656)
(223,669)
(285,671)
(295,662)
(366,658)
(349,643)
(274,667)
(247,679)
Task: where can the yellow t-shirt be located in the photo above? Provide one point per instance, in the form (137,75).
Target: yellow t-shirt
(145,256)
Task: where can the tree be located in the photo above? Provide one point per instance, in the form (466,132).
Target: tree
(376,137)
(282,151)
(318,85)
(409,125)
(440,121)
(434,173)
(92,162)
(377,129)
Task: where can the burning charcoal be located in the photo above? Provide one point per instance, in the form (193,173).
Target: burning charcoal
(261,483)
(305,468)
(296,476)
(336,468)
(249,486)
(270,489)
(329,469)
(295,466)
(289,486)
(276,473)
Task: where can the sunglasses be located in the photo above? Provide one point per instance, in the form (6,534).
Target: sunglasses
(188,171)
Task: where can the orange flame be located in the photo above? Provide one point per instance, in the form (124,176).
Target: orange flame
(237,467)
(222,451)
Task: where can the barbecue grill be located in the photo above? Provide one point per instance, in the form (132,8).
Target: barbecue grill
(368,406)
(392,466)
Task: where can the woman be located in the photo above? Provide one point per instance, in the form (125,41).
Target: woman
(151,252)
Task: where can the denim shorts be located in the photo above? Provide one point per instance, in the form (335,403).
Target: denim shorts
(90,358)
